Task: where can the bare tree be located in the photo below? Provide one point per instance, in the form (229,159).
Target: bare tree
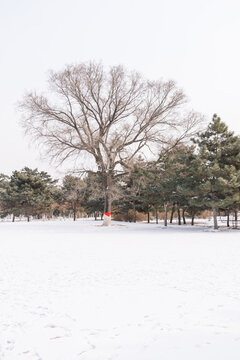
(112,115)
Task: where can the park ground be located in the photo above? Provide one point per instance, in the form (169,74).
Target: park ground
(80,291)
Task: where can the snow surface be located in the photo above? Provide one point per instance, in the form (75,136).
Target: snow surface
(72,291)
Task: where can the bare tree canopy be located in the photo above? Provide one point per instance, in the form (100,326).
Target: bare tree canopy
(113,115)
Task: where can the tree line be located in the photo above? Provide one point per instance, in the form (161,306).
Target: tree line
(186,179)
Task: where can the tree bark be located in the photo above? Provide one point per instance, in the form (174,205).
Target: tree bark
(215,218)
(13,218)
(165,213)
(236,215)
(183,216)
(156,210)
(235,218)
(134,213)
(228,220)
(172,213)
(193,215)
(148,216)
(179,216)
(108,201)
(74,211)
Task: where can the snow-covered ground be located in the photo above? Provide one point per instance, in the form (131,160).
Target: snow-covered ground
(72,291)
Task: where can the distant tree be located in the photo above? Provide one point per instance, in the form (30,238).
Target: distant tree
(72,191)
(110,115)
(93,201)
(219,170)
(132,185)
(27,192)
(167,171)
(188,182)
(3,182)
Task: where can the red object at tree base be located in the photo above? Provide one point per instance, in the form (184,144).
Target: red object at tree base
(108,214)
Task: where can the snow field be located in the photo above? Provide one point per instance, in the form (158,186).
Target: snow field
(72,291)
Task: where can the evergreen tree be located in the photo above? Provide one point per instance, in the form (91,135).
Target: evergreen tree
(188,181)
(219,170)
(169,172)
(72,191)
(133,186)
(3,184)
(28,192)
(93,201)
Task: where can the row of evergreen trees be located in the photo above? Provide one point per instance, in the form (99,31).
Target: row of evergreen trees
(202,176)
(188,179)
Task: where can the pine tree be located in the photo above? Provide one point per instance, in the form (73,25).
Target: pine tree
(93,201)
(28,192)
(134,185)
(169,172)
(73,190)
(219,156)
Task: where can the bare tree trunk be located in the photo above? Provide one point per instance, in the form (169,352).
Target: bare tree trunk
(228,220)
(235,218)
(148,216)
(74,211)
(179,216)
(193,215)
(134,212)
(183,216)
(95,215)
(107,212)
(13,218)
(236,215)
(215,218)
(165,213)
(156,211)
(108,201)
(172,213)
(28,218)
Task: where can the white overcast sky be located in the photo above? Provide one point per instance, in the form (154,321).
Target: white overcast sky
(194,42)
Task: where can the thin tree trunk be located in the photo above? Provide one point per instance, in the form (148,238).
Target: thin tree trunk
(235,218)
(165,213)
(228,220)
(13,218)
(183,216)
(215,218)
(236,215)
(74,212)
(156,211)
(193,215)
(172,213)
(95,215)
(148,216)
(28,218)
(134,213)
(179,216)
(108,201)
